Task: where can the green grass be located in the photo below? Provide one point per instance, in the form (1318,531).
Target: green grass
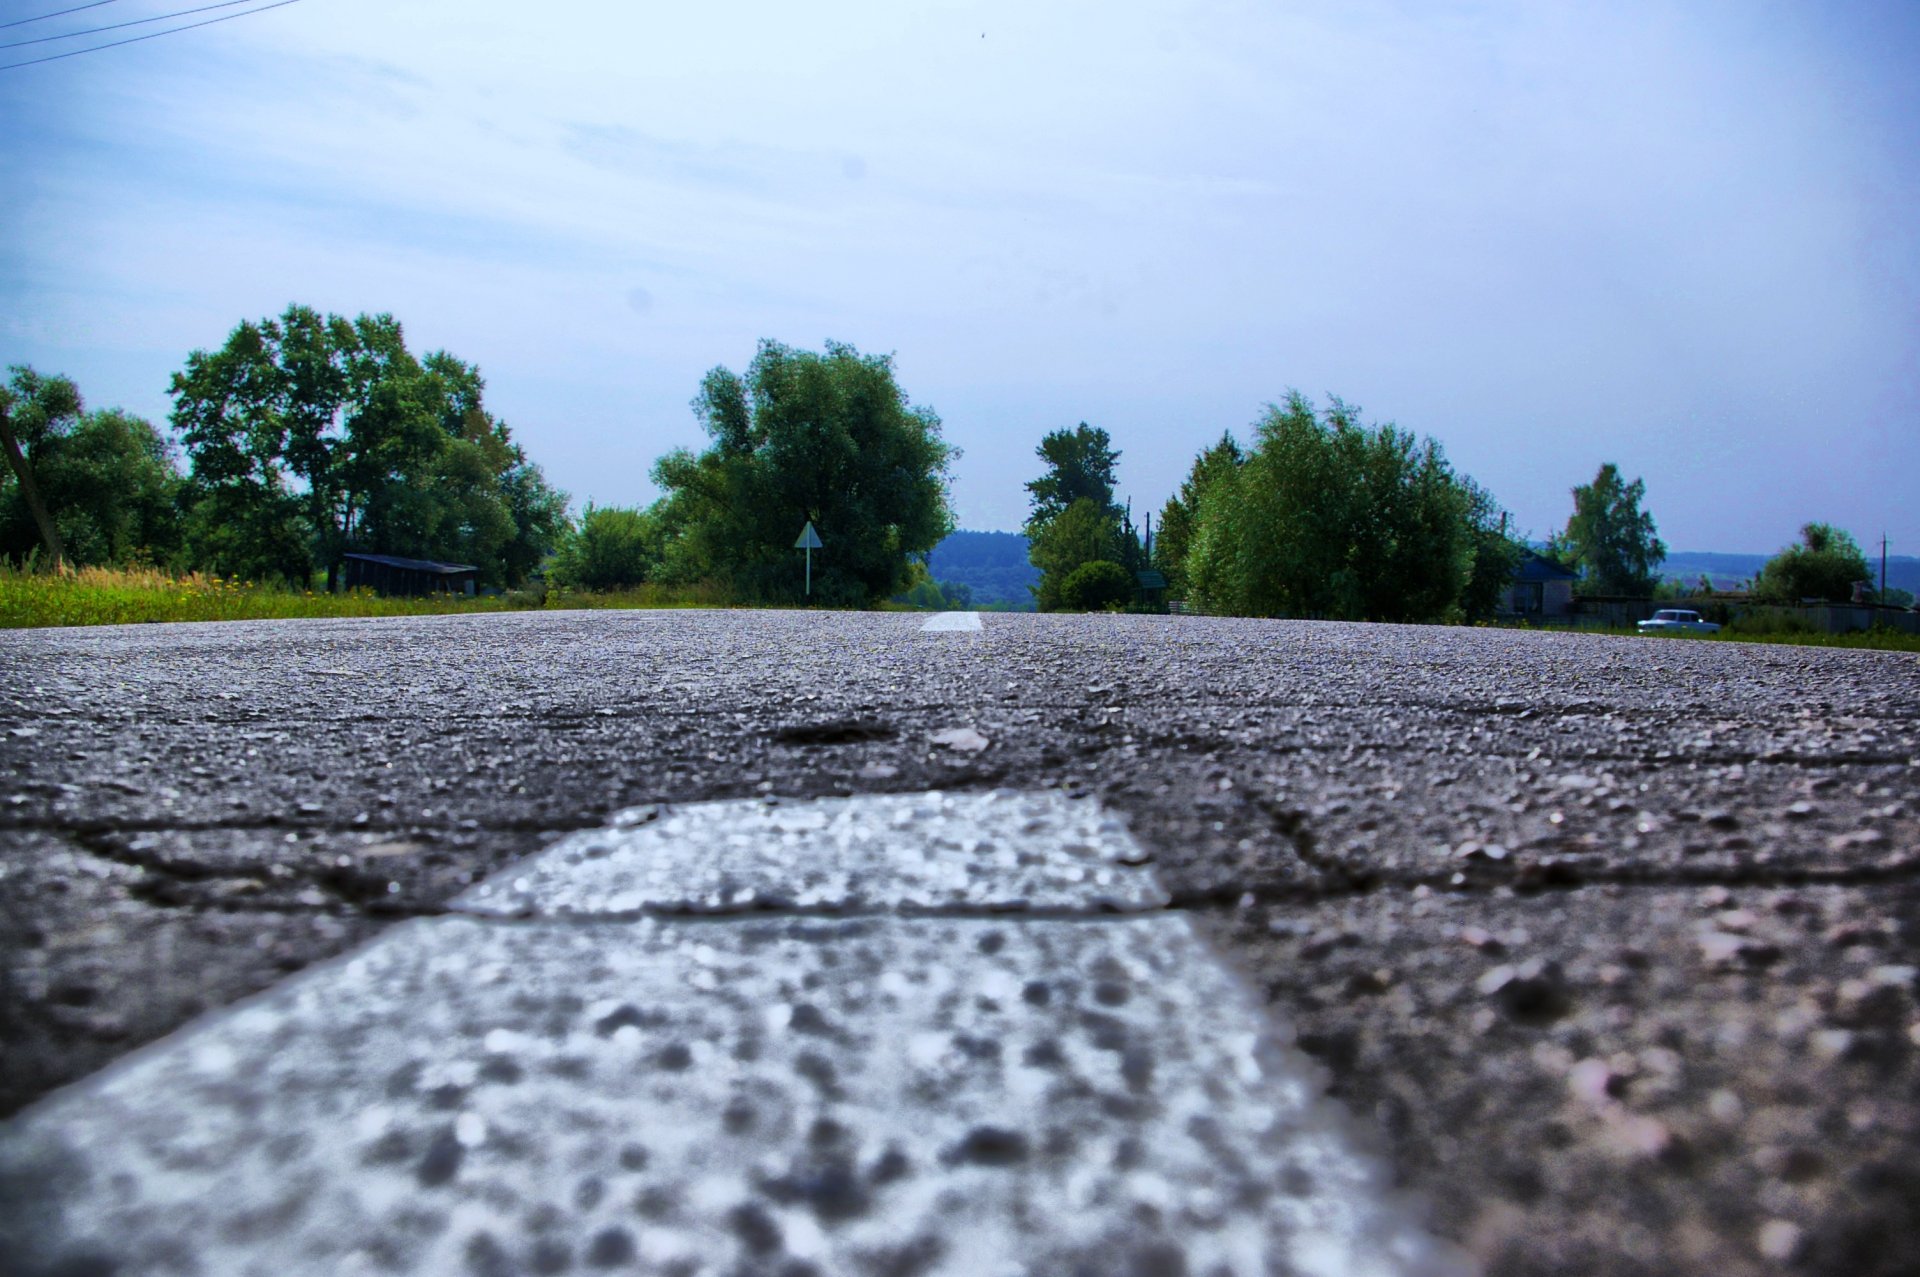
(1875,640)
(130,596)
(122,596)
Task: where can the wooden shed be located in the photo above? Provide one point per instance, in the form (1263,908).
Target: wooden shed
(1541,588)
(386,574)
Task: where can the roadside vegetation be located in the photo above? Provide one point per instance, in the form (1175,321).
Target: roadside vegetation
(131,596)
(124,596)
(307,437)
(1321,515)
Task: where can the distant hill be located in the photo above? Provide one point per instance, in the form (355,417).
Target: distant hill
(1727,571)
(991,564)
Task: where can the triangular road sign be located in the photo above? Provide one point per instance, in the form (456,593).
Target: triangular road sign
(809,539)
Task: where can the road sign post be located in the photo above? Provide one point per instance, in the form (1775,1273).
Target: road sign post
(809,541)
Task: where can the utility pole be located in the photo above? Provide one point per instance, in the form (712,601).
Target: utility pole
(30,490)
(1883,567)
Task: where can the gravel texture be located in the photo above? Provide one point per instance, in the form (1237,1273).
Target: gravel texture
(1611,939)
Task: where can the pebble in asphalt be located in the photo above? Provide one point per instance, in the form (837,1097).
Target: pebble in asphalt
(979,1092)
(1704,856)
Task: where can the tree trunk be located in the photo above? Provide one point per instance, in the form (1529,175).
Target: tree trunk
(31,491)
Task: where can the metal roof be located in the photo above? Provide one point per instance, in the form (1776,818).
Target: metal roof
(1536,567)
(413,565)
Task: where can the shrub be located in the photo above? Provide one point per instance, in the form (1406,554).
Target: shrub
(612,549)
(1096,586)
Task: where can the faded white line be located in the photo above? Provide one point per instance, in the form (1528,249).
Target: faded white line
(937,1095)
(951,623)
(1002,850)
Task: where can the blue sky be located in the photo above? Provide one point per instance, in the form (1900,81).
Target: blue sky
(1676,237)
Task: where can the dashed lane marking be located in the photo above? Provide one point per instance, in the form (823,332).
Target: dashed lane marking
(590,1084)
(999,851)
(951,623)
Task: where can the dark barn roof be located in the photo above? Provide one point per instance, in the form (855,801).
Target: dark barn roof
(1536,567)
(413,565)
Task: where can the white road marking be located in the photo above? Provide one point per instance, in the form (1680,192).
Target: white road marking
(965,1094)
(951,622)
(999,850)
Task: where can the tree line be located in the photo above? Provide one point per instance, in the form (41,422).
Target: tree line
(308,436)
(305,436)
(1321,514)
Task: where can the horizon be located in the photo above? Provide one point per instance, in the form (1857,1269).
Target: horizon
(1674,238)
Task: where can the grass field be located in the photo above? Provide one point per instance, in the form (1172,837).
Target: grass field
(122,596)
(131,596)
(1875,640)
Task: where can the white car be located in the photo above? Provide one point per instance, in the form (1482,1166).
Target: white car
(1675,620)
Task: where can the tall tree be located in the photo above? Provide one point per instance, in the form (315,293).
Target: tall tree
(1080,466)
(1077,482)
(1610,539)
(1329,517)
(1178,518)
(312,434)
(106,478)
(1825,565)
(32,408)
(1496,555)
(1083,533)
(828,438)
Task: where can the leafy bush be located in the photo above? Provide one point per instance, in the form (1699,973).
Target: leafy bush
(828,439)
(1825,565)
(613,548)
(1083,534)
(1328,517)
(1770,622)
(1096,586)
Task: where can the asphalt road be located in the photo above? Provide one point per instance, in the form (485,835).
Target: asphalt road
(1611,943)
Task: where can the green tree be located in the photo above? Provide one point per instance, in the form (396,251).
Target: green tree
(1496,555)
(310,435)
(1096,586)
(611,548)
(1080,467)
(106,478)
(1609,539)
(1328,517)
(827,438)
(930,595)
(1824,565)
(1180,516)
(1083,533)
(1079,477)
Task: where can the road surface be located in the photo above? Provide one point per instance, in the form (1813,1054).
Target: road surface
(1607,945)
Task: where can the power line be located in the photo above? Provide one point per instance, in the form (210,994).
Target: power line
(137,22)
(153,35)
(63,13)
